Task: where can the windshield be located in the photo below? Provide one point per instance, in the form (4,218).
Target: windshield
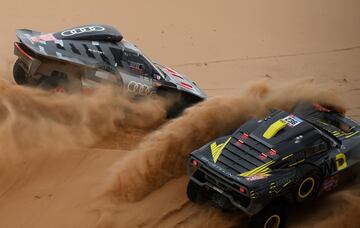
(160,69)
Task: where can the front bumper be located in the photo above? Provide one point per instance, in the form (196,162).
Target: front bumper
(219,184)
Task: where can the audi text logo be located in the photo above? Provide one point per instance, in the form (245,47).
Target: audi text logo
(138,88)
(74,31)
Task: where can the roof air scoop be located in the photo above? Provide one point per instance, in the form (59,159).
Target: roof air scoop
(274,129)
(92,33)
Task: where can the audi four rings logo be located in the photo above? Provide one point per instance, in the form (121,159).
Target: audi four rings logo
(138,88)
(74,31)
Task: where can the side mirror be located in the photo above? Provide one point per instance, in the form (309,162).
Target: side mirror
(335,145)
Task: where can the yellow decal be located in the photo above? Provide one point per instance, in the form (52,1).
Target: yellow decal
(298,162)
(287,183)
(253,195)
(346,135)
(217,149)
(341,161)
(274,129)
(351,135)
(323,123)
(261,169)
(284,158)
(306,194)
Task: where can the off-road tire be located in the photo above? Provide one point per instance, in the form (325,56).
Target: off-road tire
(272,216)
(308,186)
(19,74)
(195,192)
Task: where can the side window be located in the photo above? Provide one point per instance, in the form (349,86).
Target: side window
(318,146)
(136,64)
(117,53)
(132,62)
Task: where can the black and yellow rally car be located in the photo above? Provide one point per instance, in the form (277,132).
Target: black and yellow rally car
(285,157)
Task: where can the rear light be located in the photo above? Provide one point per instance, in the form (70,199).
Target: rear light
(22,51)
(245,136)
(263,156)
(59,90)
(272,152)
(242,189)
(87,91)
(195,163)
(239,142)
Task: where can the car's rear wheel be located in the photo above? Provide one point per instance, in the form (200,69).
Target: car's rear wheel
(273,216)
(195,192)
(308,187)
(19,73)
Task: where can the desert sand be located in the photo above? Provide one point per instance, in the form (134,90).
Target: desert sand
(70,161)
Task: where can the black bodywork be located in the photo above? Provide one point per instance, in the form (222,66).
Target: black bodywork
(89,55)
(265,159)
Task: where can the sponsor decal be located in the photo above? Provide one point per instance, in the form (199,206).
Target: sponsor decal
(330,183)
(80,30)
(96,51)
(335,164)
(44,37)
(218,168)
(346,135)
(257,176)
(278,186)
(139,88)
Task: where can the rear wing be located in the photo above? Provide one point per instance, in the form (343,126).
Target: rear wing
(44,45)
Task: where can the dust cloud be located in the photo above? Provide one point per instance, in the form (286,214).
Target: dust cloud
(34,121)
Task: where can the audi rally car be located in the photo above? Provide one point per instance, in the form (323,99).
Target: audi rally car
(81,58)
(286,157)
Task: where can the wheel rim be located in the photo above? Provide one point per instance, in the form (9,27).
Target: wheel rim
(306,187)
(272,222)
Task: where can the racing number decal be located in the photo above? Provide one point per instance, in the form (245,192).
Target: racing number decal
(138,88)
(292,120)
(341,161)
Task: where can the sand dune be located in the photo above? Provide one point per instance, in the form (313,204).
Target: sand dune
(71,161)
